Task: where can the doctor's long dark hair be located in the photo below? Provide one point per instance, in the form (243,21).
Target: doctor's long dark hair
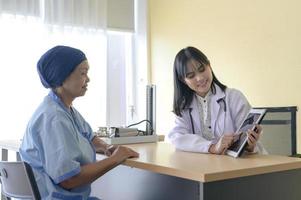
(183,95)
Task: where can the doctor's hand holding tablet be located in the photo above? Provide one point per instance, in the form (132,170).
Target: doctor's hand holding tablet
(248,133)
(233,144)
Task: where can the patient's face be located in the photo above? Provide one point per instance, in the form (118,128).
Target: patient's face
(77,83)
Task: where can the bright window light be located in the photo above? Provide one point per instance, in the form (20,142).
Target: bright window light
(23,41)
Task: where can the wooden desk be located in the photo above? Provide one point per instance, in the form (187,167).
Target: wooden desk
(161,172)
(164,159)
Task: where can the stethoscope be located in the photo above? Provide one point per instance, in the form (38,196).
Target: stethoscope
(222,104)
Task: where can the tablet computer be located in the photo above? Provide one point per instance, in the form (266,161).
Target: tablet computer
(254,117)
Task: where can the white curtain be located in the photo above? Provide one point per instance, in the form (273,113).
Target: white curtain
(20,7)
(97,14)
(30,27)
(72,13)
(78,13)
(24,37)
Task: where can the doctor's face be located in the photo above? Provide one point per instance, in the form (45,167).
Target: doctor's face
(77,82)
(198,77)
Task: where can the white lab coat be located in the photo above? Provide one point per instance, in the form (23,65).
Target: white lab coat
(228,110)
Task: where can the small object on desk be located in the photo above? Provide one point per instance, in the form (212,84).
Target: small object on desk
(117,132)
(131,139)
(123,132)
(125,135)
(101,132)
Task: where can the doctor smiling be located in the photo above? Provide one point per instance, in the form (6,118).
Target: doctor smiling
(207,112)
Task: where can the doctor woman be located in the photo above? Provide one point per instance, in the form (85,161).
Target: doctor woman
(207,112)
(58,143)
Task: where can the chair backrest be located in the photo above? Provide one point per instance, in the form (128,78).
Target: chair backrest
(279,130)
(18,180)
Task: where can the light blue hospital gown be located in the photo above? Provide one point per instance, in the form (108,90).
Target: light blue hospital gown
(56,143)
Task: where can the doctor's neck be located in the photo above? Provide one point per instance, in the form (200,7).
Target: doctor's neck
(204,94)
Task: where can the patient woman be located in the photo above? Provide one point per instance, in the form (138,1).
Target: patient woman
(58,143)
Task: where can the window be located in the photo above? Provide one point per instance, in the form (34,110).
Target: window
(115,59)
(22,43)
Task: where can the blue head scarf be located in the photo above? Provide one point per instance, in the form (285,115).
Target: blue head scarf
(57,64)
